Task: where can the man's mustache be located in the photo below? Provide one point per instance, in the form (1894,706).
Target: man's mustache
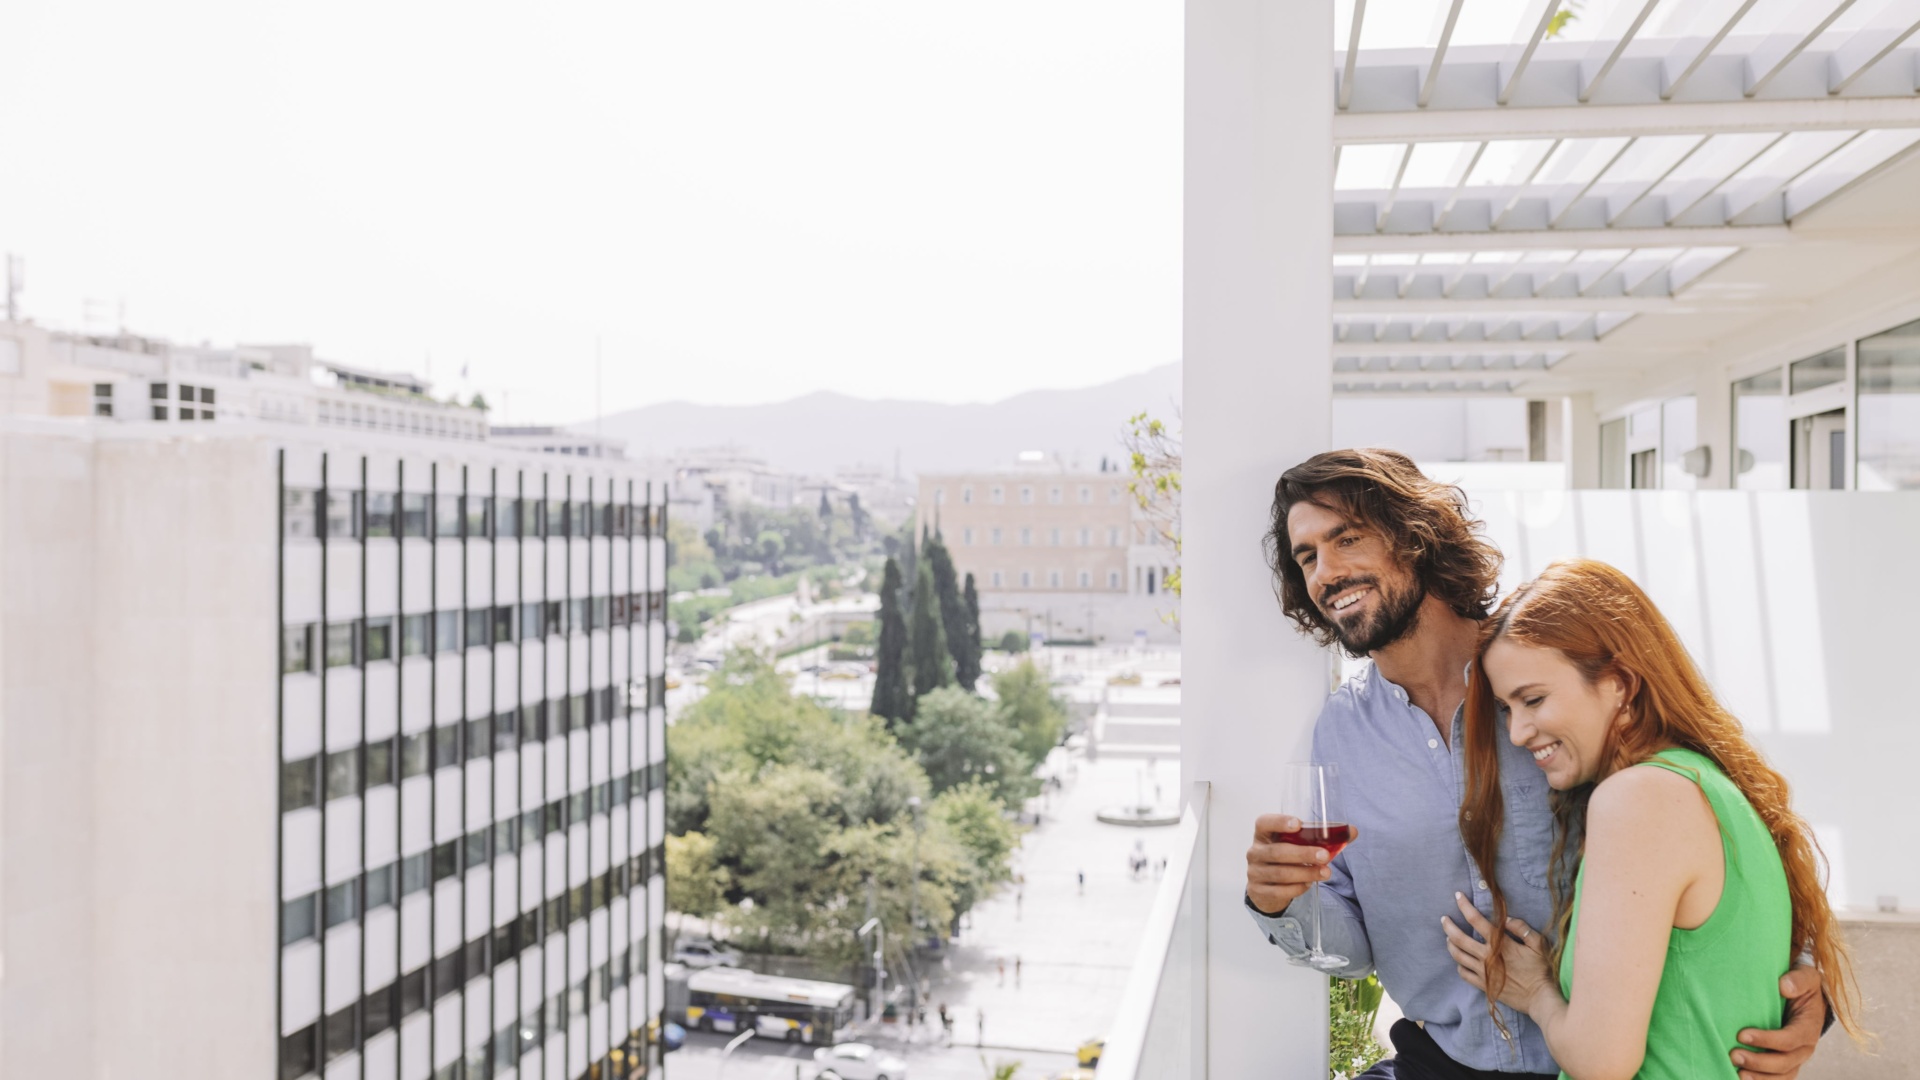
(1327,594)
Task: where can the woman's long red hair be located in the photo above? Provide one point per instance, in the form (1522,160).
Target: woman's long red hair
(1602,622)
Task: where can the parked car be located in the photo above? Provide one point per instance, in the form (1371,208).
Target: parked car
(858,1061)
(1090,1051)
(699,953)
(768,1026)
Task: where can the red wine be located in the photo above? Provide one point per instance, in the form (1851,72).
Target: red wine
(1331,835)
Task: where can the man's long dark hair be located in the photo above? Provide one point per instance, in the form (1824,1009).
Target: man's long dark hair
(1424,522)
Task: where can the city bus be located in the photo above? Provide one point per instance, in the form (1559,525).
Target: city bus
(795,1010)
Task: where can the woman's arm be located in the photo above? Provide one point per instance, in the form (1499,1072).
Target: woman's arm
(1650,834)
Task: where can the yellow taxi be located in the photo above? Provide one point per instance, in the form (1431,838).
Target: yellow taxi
(1089,1053)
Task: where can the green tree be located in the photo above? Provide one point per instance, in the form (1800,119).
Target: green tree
(974,819)
(859,516)
(959,738)
(927,638)
(971,598)
(478,402)
(1027,705)
(695,884)
(893,679)
(769,546)
(826,508)
(962,645)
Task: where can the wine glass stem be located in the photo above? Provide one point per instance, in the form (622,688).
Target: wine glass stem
(1313,902)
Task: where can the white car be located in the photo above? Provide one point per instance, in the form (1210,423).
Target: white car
(858,1061)
(705,954)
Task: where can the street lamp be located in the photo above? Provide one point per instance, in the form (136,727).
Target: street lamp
(913,916)
(874,927)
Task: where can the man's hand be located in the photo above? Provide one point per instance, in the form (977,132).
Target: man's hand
(1278,872)
(1788,1048)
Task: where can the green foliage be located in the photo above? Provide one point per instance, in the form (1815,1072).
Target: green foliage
(970,600)
(806,812)
(927,638)
(971,816)
(963,644)
(860,633)
(1569,12)
(1027,705)
(1153,458)
(959,738)
(1013,641)
(695,885)
(1352,1005)
(892,681)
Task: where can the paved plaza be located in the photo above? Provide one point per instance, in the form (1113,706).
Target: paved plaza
(1066,952)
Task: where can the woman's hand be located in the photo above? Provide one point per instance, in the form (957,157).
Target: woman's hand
(1523,948)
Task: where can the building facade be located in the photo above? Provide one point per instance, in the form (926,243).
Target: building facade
(1061,553)
(326,753)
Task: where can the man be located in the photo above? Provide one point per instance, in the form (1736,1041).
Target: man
(1372,555)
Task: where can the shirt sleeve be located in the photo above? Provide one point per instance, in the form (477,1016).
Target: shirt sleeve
(1342,931)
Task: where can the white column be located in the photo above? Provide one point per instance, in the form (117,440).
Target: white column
(1258,384)
(1582,426)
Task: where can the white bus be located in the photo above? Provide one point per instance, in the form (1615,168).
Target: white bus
(796,1010)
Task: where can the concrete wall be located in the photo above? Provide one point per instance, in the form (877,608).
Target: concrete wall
(1079,616)
(1799,608)
(137,755)
(47,889)
(186,906)
(1886,958)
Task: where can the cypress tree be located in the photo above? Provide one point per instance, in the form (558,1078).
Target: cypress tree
(927,638)
(953,613)
(967,670)
(892,692)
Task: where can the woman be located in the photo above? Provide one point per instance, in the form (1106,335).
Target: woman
(1697,883)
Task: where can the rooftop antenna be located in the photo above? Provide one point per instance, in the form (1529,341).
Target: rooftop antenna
(16,280)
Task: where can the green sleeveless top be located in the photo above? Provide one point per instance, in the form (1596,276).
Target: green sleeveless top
(1723,975)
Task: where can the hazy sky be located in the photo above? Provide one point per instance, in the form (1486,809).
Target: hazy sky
(743,201)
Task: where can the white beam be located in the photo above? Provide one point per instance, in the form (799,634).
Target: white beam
(1674,215)
(1511,79)
(1584,239)
(1439,53)
(1620,43)
(1688,54)
(1258,388)
(1867,47)
(1599,305)
(1582,346)
(1763,64)
(1597,121)
(1658,180)
(1353,53)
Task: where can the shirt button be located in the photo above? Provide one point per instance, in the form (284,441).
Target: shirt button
(1481,884)
(1433,744)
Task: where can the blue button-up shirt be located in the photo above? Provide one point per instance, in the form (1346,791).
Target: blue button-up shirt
(1402,785)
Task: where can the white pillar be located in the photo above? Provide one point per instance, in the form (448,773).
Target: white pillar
(1258,386)
(1582,426)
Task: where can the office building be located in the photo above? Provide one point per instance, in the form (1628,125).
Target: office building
(326,753)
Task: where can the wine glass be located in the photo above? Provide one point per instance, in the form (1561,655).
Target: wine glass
(1311,794)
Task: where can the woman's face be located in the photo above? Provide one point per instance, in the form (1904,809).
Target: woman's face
(1553,711)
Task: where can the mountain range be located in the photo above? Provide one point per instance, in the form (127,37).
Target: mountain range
(822,432)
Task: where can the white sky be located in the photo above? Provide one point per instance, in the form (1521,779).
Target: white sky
(744,200)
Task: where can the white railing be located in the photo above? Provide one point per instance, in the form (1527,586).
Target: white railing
(1159,1032)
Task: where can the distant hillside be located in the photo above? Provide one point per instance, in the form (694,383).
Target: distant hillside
(820,432)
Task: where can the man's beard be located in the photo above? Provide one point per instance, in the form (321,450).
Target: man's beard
(1394,617)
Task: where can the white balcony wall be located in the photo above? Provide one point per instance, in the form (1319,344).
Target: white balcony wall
(1794,605)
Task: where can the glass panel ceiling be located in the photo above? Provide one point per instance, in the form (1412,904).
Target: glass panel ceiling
(1594,272)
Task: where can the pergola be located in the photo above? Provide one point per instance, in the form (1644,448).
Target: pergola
(1598,204)
(1547,198)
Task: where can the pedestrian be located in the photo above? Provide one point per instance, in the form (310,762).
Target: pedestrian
(946,1024)
(980,1028)
(1082,876)
(1001,963)
(1016,973)
(1019,896)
